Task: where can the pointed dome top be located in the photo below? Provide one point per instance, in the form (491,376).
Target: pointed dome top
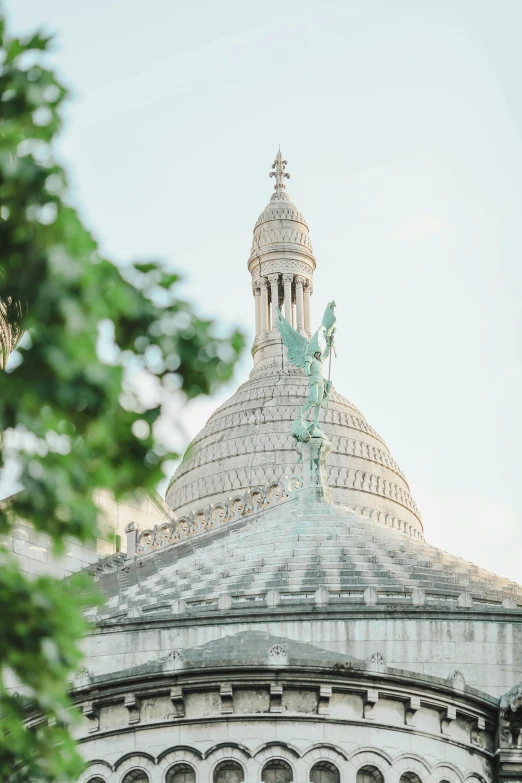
(281,228)
(279,166)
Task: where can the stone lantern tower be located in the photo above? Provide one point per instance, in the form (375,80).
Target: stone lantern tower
(247,443)
(282,265)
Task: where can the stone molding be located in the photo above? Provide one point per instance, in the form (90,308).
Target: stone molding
(283,266)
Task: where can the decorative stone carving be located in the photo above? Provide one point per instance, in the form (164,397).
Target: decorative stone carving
(277,656)
(457,680)
(174,661)
(376,662)
(205,519)
(286,265)
(278,171)
(131,531)
(82,678)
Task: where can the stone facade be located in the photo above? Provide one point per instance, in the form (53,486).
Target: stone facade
(283,623)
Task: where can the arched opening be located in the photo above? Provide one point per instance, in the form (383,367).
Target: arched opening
(229,772)
(96,780)
(277,771)
(136,776)
(324,772)
(410,777)
(369,774)
(181,773)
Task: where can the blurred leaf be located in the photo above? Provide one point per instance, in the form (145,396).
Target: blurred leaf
(63,401)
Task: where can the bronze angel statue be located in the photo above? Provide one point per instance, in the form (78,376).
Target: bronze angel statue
(307,355)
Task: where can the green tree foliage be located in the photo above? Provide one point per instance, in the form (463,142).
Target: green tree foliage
(77,421)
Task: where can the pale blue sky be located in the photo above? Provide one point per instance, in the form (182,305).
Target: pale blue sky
(401,122)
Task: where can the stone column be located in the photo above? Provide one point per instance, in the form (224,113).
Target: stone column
(264,324)
(307,313)
(257,300)
(274,287)
(299,283)
(287,282)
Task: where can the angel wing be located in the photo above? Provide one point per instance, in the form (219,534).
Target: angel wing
(296,343)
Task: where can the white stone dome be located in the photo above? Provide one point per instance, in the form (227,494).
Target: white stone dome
(246,443)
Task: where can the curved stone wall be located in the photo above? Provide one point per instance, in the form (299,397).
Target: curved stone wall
(274,726)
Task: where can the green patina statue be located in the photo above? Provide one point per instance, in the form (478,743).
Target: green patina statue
(307,355)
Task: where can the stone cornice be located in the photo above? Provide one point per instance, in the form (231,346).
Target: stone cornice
(303,612)
(406,690)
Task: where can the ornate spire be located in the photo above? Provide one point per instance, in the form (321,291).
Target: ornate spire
(279,173)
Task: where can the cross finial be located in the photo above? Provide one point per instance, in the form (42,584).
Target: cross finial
(279,172)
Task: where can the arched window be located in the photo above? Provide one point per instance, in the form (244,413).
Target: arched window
(277,771)
(324,772)
(410,777)
(229,772)
(96,780)
(136,776)
(181,773)
(369,774)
